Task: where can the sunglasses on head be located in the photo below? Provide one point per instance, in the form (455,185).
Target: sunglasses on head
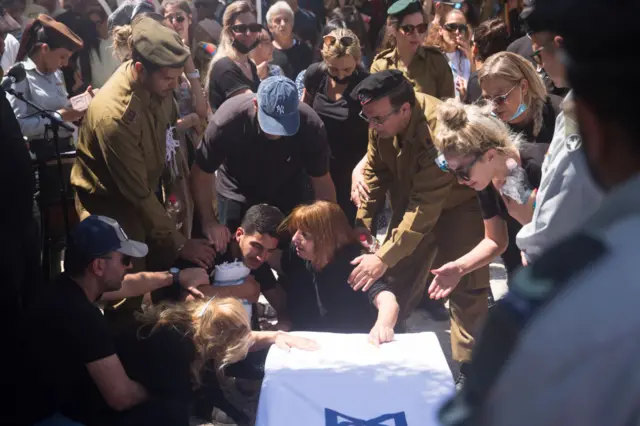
(499,100)
(410,29)
(452,27)
(345,41)
(246,28)
(178,18)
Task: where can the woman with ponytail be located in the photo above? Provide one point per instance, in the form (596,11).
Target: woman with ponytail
(231,72)
(173,345)
(45,48)
(484,154)
(520,100)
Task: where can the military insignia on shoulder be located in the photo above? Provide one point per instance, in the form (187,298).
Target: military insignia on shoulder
(129,116)
(573,142)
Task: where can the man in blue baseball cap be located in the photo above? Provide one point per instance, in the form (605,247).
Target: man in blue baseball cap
(78,374)
(265,147)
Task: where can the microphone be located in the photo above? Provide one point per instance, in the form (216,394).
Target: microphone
(15,75)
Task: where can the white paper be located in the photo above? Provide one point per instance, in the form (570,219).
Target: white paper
(351,382)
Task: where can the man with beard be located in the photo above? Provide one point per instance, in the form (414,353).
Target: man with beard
(79,374)
(561,347)
(125,140)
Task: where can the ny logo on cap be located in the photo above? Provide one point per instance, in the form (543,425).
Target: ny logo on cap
(333,418)
(280,109)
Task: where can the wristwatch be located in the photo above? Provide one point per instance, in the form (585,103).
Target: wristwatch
(193,75)
(175,273)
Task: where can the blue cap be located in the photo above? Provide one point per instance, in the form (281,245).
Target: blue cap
(98,235)
(278,113)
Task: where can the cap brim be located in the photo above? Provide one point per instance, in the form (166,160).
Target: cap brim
(133,248)
(286,125)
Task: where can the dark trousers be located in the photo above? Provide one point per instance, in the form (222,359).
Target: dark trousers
(156,412)
(511,257)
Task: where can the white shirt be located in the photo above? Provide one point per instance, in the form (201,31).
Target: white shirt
(103,67)
(11,47)
(45,90)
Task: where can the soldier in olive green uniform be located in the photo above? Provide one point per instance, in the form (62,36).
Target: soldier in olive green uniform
(425,67)
(122,147)
(434,219)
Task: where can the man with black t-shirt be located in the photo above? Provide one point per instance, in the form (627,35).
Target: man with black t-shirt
(72,365)
(265,148)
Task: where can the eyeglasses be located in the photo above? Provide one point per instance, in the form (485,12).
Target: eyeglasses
(378,121)
(330,40)
(453,27)
(125,259)
(246,28)
(499,100)
(536,55)
(178,18)
(410,29)
(464,172)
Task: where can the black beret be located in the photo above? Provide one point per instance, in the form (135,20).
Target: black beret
(378,86)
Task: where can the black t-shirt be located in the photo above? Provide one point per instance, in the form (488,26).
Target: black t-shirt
(532,156)
(347,133)
(293,60)
(254,169)
(227,78)
(474,92)
(347,311)
(550,111)
(66,331)
(160,361)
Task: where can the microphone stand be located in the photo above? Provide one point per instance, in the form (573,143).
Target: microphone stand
(54,126)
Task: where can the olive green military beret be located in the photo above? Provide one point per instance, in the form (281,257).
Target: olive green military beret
(158,44)
(404,7)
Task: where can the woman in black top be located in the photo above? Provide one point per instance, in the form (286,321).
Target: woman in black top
(290,54)
(231,72)
(315,272)
(169,350)
(327,85)
(483,154)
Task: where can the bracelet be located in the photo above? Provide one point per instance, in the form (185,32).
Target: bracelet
(193,75)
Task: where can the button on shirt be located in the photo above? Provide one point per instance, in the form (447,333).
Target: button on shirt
(46,90)
(256,169)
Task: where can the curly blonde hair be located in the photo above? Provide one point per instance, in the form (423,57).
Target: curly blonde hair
(337,50)
(219,328)
(514,68)
(470,129)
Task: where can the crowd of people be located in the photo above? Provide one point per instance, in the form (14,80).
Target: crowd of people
(191,180)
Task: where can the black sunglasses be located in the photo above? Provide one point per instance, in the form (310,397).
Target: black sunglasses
(330,40)
(462,173)
(246,28)
(125,259)
(452,27)
(409,29)
(178,18)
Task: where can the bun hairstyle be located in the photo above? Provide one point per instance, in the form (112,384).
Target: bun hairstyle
(122,36)
(470,129)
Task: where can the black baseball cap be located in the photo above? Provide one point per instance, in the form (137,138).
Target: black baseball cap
(98,235)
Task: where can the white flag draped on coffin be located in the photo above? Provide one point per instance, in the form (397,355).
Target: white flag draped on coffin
(350,382)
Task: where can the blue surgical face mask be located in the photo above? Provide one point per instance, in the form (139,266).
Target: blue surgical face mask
(521,108)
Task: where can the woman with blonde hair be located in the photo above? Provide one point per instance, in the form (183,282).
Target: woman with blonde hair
(327,85)
(519,96)
(315,274)
(174,344)
(520,99)
(483,154)
(231,72)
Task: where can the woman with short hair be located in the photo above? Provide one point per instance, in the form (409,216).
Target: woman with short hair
(290,54)
(231,72)
(327,87)
(481,151)
(315,275)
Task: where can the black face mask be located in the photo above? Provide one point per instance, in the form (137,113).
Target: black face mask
(344,80)
(242,48)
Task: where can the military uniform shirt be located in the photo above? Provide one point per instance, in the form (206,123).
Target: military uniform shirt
(428,71)
(45,90)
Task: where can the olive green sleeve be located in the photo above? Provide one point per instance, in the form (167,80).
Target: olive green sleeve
(125,162)
(429,192)
(378,177)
